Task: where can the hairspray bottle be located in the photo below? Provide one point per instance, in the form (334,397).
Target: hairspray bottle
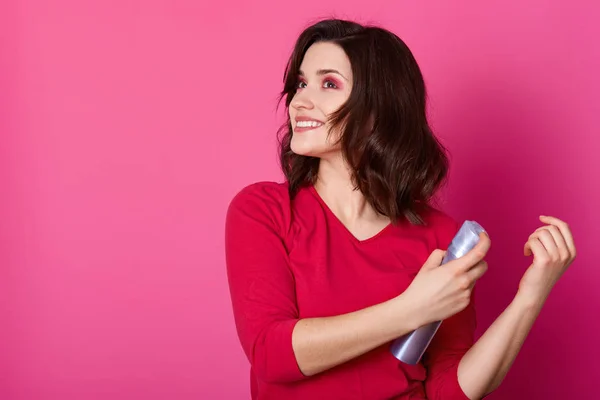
(411,347)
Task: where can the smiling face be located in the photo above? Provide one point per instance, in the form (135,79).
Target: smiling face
(324,85)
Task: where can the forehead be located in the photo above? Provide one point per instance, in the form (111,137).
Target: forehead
(324,55)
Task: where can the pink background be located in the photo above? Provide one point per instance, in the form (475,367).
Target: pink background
(127,126)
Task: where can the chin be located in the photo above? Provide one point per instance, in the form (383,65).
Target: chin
(314,152)
(303,151)
(312,148)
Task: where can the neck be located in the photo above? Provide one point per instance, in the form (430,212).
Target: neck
(334,186)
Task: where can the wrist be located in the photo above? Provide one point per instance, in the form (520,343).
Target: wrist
(530,301)
(413,316)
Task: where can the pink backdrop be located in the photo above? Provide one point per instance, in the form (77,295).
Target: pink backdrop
(126,127)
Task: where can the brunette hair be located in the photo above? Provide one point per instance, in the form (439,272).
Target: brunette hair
(395,159)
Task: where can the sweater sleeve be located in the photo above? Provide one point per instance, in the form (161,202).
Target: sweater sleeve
(453,339)
(261,283)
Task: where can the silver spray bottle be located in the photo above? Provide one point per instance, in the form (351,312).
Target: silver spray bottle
(411,347)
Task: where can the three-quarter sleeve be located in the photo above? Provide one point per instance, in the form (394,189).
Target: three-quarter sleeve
(453,339)
(261,283)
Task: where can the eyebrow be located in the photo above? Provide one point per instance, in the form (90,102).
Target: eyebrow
(322,72)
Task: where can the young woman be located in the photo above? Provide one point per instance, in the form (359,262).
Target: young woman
(330,266)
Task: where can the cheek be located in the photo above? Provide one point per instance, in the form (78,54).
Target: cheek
(332,101)
(333,137)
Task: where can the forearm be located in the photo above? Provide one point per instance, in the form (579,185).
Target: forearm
(484,366)
(323,343)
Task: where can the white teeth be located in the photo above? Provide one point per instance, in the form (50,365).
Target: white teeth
(307,124)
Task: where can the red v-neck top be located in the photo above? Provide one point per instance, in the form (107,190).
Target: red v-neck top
(289,260)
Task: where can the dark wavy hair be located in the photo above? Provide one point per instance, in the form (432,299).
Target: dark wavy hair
(395,159)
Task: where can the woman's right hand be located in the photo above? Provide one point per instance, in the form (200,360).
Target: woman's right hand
(438,292)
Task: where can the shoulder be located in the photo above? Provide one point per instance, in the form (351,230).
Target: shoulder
(267,203)
(261,195)
(442,225)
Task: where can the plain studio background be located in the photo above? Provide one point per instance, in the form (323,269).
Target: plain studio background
(127,126)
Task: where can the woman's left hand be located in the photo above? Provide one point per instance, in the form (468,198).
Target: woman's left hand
(553,251)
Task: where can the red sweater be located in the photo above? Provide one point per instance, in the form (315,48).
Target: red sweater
(289,260)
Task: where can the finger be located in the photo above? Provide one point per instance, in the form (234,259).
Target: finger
(545,237)
(477,272)
(565,230)
(563,250)
(538,250)
(527,249)
(435,259)
(475,255)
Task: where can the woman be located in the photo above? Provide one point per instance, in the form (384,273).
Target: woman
(326,269)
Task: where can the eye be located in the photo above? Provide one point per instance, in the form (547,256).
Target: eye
(300,85)
(328,84)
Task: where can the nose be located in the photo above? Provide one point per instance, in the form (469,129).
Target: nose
(302,100)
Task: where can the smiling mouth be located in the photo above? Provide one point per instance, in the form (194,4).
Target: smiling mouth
(302,126)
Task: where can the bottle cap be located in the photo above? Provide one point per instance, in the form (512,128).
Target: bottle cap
(465,239)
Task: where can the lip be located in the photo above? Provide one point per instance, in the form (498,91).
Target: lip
(306,128)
